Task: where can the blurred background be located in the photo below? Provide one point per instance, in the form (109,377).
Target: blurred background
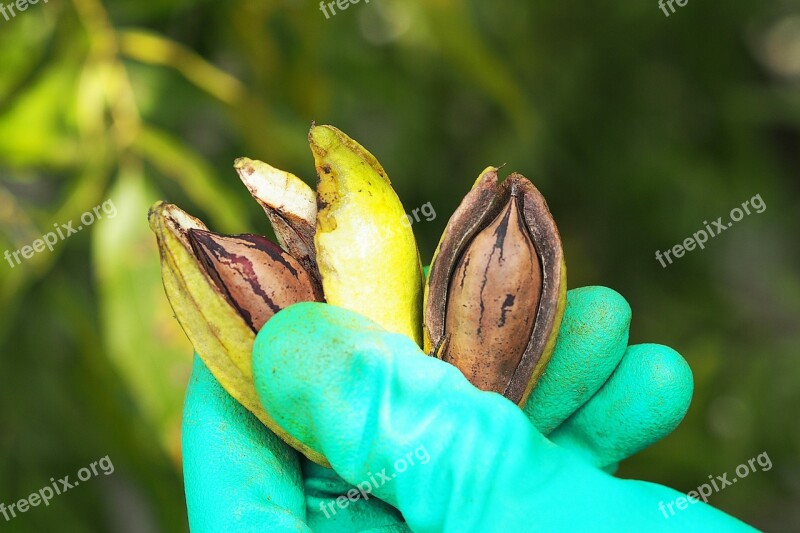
(637,128)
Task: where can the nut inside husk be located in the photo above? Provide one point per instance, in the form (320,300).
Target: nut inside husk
(258,278)
(223,288)
(203,305)
(497,287)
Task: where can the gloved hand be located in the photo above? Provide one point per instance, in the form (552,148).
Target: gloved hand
(409,434)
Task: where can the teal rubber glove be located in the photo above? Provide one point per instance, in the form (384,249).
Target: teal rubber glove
(415,442)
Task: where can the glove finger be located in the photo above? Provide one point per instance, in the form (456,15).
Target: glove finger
(644,400)
(411,430)
(590,345)
(399,425)
(330,509)
(239,476)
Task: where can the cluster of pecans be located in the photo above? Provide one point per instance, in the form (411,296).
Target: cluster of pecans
(491,306)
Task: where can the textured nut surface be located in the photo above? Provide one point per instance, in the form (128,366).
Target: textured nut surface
(497,287)
(258,277)
(492,302)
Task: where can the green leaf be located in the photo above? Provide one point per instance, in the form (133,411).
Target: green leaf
(143,341)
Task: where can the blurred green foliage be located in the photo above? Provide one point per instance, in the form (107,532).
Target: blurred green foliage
(636,127)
